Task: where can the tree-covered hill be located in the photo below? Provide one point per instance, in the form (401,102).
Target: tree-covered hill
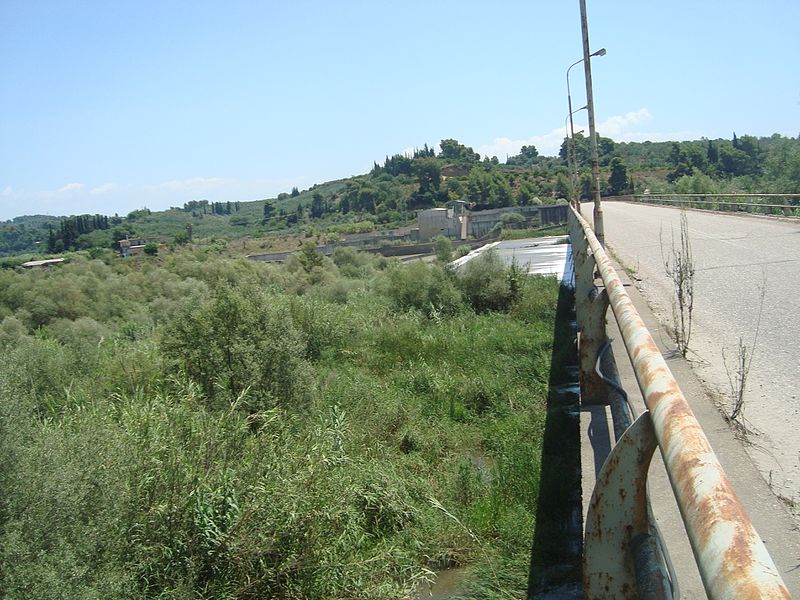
(391,193)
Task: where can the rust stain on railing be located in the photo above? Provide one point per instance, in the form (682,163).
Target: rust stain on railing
(732,559)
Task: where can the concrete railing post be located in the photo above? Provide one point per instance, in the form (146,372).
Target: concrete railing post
(591,306)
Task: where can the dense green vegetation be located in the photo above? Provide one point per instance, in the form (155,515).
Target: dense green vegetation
(743,164)
(191,426)
(390,194)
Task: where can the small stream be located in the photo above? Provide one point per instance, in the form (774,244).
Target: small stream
(448,585)
(557,544)
(450,582)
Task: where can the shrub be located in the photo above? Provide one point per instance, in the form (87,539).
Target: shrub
(427,288)
(309,257)
(241,340)
(486,283)
(351,263)
(322,324)
(65,504)
(512,220)
(11,332)
(443,248)
(127,471)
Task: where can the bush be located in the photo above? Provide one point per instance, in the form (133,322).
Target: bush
(487,283)
(241,340)
(427,288)
(351,263)
(11,332)
(65,505)
(309,256)
(443,248)
(512,220)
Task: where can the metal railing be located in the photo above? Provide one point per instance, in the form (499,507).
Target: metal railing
(622,556)
(787,205)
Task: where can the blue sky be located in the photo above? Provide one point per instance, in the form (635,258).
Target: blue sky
(111,106)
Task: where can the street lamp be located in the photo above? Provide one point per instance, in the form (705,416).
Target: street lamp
(572,160)
(601,52)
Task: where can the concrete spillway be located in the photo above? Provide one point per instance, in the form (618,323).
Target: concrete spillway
(538,256)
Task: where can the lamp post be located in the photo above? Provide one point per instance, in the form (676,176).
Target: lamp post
(572,160)
(601,52)
(587,67)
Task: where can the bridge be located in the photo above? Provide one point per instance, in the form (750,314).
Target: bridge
(745,266)
(736,258)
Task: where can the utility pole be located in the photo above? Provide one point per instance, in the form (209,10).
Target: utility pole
(598,209)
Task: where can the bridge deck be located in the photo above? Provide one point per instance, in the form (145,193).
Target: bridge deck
(769,515)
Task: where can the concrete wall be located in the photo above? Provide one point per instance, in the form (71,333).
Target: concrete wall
(438,221)
(481,222)
(553,214)
(448,222)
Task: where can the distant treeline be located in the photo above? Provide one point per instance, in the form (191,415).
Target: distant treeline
(391,193)
(214,208)
(67,235)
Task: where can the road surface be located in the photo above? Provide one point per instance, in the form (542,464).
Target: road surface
(735,257)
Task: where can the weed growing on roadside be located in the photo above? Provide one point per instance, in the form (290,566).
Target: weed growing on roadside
(737,376)
(679,267)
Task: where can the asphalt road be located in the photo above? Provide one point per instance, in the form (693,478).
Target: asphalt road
(735,257)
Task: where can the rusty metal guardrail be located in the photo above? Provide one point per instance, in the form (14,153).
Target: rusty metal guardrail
(786,205)
(621,555)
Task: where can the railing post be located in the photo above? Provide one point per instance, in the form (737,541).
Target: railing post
(591,337)
(621,556)
(591,307)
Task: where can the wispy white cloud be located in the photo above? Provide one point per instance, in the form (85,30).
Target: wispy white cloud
(620,128)
(103,189)
(194,184)
(70,187)
(121,198)
(547,144)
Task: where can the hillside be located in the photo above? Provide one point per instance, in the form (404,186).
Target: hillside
(391,193)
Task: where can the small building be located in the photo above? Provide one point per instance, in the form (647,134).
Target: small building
(131,247)
(451,222)
(31,264)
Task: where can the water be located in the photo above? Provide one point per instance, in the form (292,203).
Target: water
(449,584)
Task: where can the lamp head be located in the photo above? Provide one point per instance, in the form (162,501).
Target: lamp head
(601,52)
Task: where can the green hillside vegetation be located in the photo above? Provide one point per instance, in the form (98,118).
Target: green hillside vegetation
(195,426)
(26,234)
(391,193)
